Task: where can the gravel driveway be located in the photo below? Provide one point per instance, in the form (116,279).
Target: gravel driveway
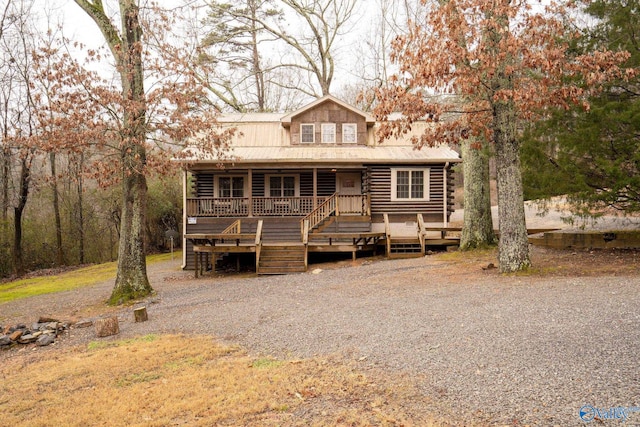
(483,348)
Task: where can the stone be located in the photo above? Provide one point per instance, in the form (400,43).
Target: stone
(83,324)
(45,340)
(52,326)
(36,326)
(27,339)
(15,335)
(5,340)
(44,319)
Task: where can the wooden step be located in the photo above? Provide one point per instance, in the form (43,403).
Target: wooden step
(405,247)
(282,259)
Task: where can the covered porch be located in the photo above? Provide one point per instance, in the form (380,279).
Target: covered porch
(225,207)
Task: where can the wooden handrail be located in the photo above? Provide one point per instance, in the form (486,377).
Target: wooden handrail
(305,242)
(387,232)
(421,233)
(320,213)
(305,231)
(234,228)
(258,243)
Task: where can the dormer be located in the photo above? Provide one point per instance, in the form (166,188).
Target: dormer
(328,121)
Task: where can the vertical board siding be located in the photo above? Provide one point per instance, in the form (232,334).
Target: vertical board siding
(329,112)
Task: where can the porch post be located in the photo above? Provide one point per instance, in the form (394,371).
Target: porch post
(250,179)
(315,188)
(445,195)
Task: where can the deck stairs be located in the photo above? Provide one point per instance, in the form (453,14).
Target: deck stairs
(282,259)
(405,247)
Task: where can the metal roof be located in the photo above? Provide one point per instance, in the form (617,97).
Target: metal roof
(338,155)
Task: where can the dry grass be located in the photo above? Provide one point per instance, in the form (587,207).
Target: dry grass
(179,380)
(546,262)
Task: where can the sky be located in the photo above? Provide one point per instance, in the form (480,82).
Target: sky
(79,26)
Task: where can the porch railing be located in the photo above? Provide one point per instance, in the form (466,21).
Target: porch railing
(319,214)
(273,206)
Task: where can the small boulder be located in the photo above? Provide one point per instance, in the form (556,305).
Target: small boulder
(15,335)
(27,339)
(83,324)
(5,340)
(45,340)
(44,319)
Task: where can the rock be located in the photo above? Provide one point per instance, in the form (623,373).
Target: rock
(317,271)
(83,324)
(36,326)
(45,340)
(15,335)
(5,340)
(52,326)
(27,339)
(21,326)
(44,319)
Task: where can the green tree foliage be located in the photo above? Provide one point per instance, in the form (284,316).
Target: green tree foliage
(594,156)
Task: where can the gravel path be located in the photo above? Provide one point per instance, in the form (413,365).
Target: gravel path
(483,348)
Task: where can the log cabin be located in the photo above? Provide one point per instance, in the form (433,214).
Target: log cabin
(313,180)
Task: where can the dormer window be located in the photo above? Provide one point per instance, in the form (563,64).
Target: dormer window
(307,133)
(349,132)
(328,132)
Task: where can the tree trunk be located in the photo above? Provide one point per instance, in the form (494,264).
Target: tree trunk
(477,230)
(56,209)
(131,279)
(80,212)
(513,248)
(25,177)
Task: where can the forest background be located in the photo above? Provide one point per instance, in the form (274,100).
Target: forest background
(60,205)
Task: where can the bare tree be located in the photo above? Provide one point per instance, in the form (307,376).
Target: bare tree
(302,60)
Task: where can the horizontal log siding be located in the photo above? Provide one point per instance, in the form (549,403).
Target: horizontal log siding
(380,185)
(451,182)
(306,184)
(326,183)
(258,184)
(203,183)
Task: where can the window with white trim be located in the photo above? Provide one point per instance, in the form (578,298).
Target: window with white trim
(328,131)
(307,133)
(410,184)
(231,186)
(349,133)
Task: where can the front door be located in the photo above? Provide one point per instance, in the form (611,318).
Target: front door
(348,184)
